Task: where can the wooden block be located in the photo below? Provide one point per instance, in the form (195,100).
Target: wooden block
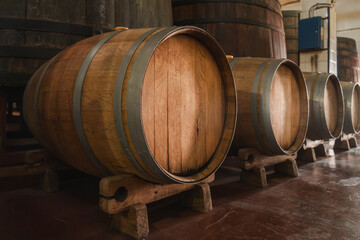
(307,155)
(256,177)
(353,142)
(321,150)
(342,144)
(50,181)
(287,168)
(251,157)
(199,198)
(133,222)
(117,193)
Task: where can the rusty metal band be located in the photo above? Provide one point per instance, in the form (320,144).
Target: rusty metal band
(265,115)
(312,124)
(348,90)
(247,2)
(228,20)
(118,99)
(235,61)
(133,104)
(77,97)
(319,107)
(341,115)
(254,107)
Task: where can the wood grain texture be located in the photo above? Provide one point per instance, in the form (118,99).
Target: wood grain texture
(326,106)
(351,99)
(260,34)
(286,103)
(291,27)
(348,68)
(143,13)
(184,103)
(187,108)
(355,108)
(285,106)
(331,106)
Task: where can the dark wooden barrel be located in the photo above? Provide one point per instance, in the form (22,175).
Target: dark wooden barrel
(272,105)
(35,31)
(157,103)
(326,106)
(143,13)
(347,60)
(242,27)
(291,27)
(352,107)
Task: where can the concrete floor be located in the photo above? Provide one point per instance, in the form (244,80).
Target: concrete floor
(322,203)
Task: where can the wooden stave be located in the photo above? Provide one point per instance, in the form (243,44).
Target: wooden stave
(259,143)
(348,90)
(228,132)
(291,40)
(316,83)
(140,12)
(348,62)
(208,24)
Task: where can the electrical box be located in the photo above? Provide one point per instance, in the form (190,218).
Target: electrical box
(311,34)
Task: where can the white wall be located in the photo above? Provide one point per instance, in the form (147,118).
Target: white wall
(348,18)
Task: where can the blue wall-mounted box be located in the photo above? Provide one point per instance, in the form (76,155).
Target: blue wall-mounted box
(311,34)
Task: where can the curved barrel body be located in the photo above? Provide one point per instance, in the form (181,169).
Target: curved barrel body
(347,60)
(272,105)
(326,106)
(352,107)
(244,28)
(157,103)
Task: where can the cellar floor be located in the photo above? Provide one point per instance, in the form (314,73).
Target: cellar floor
(322,203)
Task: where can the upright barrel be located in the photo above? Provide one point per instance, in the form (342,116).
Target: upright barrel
(157,103)
(34,31)
(291,26)
(352,107)
(143,13)
(272,105)
(347,60)
(244,28)
(326,106)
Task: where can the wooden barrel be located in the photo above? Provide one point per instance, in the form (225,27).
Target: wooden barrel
(34,31)
(352,107)
(242,27)
(326,103)
(157,103)
(272,105)
(143,13)
(347,60)
(291,26)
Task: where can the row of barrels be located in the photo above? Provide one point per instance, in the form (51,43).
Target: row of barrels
(348,68)
(165,104)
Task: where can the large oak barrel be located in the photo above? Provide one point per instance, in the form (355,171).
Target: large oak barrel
(157,103)
(352,107)
(347,60)
(143,13)
(272,105)
(35,31)
(326,103)
(291,26)
(242,27)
